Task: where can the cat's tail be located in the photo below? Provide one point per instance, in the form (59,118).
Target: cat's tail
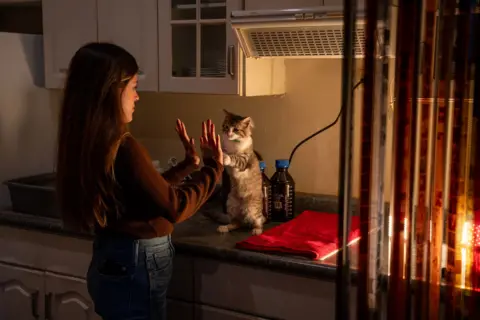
(258,155)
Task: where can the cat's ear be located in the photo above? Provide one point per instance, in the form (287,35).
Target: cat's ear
(228,114)
(248,122)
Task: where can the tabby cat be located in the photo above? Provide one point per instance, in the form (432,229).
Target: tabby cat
(244,202)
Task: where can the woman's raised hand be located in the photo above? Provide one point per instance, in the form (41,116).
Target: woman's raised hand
(188,144)
(210,142)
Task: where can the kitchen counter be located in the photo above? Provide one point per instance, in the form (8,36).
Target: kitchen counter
(211,278)
(198,237)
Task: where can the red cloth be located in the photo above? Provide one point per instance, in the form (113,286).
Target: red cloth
(311,234)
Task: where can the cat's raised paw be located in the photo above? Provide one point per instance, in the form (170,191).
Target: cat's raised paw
(257,231)
(226,160)
(223,229)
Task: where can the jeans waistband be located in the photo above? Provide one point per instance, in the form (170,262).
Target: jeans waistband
(122,242)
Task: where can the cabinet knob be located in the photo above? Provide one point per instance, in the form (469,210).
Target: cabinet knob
(48,306)
(35,314)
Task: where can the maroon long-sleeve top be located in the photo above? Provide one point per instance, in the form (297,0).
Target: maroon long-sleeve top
(151,203)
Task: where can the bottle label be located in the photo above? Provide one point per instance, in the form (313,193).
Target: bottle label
(267,195)
(278,202)
(283,201)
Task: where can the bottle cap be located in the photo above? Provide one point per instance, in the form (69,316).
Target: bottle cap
(262,165)
(282,163)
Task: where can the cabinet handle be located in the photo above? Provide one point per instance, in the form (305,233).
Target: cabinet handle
(230,60)
(35,305)
(48,306)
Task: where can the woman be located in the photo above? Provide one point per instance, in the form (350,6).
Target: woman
(107,184)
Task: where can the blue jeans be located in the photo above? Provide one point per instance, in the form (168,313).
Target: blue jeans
(128,279)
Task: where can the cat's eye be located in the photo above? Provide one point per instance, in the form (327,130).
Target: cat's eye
(235,130)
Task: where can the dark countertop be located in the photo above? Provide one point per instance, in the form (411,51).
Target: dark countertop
(198,237)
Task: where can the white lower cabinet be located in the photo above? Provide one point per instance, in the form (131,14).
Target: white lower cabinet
(210,313)
(27,294)
(67,298)
(22,293)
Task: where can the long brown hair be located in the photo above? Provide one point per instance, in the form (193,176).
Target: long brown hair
(90,131)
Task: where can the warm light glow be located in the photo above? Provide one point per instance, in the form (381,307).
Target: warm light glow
(328,255)
(467,234)
(390,235)
(466,243)
(390,226)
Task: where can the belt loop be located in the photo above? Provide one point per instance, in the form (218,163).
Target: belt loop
(135,249)
(170,243)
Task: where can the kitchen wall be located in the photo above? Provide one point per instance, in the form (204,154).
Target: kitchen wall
(28,122)
(312,102)
(28,119)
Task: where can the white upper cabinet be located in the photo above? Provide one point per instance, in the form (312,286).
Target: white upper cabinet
(183,46)
(281,4)
(21,2)
(340,3)
(67,25)
(198,51)
(132,24)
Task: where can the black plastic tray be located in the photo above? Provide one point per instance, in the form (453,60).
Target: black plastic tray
(34,195)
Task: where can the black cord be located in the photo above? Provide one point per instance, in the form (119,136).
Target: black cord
(321,130)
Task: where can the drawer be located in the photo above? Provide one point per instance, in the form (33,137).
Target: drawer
(265,293)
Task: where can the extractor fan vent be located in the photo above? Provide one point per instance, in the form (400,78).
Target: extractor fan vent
(305,42)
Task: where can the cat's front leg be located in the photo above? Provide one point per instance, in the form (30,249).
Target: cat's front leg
(237,161)
(229,227)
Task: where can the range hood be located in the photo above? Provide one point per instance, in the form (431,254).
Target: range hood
(315,32)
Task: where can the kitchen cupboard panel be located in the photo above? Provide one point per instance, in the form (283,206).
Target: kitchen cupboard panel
(179,310)
(45,251)
(340,2)
(67,25)
(19,2)
(206,312)
(181,284)
(67,298)
(262,292)
(21,293)
(281,4)
(132,24)
(198,51)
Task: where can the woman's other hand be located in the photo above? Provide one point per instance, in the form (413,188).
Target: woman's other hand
(210,142)
(188,143)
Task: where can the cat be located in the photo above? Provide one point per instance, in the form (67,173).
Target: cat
(241,161)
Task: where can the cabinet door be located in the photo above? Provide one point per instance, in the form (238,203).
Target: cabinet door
(211,313)
(281,4)
(21,293)
(197,47)
(340,3)
(181,284)
(67,298)
(132,24)
(177,310)
(67,25)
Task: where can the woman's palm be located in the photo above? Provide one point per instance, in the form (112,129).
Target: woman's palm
(188,143)
(210,142)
